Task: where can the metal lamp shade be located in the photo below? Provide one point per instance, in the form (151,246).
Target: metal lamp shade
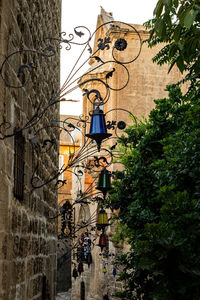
(104,183)
(102,219)
(98,129)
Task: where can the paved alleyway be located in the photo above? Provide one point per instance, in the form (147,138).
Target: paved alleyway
(63,296)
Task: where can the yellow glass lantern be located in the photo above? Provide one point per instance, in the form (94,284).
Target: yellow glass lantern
(102,219)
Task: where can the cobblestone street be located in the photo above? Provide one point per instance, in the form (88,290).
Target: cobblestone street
(64,296)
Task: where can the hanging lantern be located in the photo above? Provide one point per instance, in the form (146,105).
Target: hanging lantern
(82,290)
(114,272)
(89,259)
(98,129)
(75,273)
(80,267)
(102,221)
(102,241)
(104,183)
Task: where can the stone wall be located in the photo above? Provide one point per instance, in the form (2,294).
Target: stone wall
(69,143)
(27,232)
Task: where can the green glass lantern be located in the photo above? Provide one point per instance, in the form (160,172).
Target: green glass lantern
(104,184)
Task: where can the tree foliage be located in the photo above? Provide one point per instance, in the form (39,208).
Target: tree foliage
(177,23)
(159,201)
(159,195)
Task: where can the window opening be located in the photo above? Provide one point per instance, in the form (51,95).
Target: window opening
(19,166)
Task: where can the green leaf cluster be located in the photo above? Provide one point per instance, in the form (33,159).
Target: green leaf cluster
(177,23)
(159,201)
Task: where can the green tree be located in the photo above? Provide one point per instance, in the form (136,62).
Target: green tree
(159,201)
(177,23)
(159,195)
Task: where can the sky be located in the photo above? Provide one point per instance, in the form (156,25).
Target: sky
(84,13)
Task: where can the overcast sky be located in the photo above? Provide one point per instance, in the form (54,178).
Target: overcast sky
(85,12)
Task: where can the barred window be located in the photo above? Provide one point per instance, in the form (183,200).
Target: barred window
(19,166)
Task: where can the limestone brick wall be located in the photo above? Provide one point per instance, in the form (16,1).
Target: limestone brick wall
(27,234)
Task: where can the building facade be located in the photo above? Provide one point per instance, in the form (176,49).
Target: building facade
(69,143)
(28,230)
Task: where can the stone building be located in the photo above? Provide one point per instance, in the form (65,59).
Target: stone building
(147,82)
(69,142)
(28,150)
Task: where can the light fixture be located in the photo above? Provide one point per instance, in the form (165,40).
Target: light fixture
(98,129)
(104,183)
(102,221)
(80,267)
(102,241)
(114,272)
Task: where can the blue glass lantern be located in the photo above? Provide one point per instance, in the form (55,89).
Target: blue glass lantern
(114,272)
(98,129)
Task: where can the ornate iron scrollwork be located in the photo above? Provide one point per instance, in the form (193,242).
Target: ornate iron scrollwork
(81,37)
(104,44)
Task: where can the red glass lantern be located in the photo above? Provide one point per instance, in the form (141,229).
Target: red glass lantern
(80,267)
(102,241)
